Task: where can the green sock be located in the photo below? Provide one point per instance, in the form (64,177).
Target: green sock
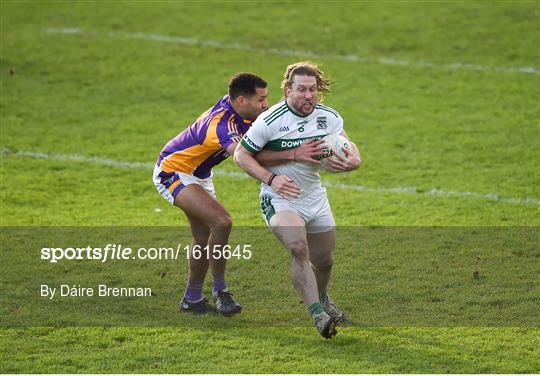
(315,309)
(323,297)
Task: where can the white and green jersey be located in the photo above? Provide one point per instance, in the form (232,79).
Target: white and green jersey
(281,128)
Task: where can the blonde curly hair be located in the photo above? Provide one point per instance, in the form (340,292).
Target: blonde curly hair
(306,68)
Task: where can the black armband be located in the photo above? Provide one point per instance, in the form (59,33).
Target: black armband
(271,179)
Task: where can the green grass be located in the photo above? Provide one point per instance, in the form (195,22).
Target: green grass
(272,350)
(120,97)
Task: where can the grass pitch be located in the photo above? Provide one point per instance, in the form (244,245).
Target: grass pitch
(441,99)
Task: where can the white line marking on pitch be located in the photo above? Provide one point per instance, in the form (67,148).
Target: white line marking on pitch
(241,175)
(303,54)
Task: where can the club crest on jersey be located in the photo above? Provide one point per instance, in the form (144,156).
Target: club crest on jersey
(321,122)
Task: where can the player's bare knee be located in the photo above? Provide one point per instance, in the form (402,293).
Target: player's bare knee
(221,223)
(323,265)
(298,249)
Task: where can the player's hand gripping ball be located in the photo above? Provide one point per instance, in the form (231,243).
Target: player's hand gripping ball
(335,144)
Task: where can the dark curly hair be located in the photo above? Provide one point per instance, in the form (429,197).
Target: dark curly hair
(245,84)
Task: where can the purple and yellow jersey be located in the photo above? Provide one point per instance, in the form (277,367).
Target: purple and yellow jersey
(203,144)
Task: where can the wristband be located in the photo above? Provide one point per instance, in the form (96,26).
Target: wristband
(271,180)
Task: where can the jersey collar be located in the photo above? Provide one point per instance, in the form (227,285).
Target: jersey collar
(294,112)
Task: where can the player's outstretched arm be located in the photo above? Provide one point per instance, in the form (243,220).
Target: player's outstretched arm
(281,184)
(307,152)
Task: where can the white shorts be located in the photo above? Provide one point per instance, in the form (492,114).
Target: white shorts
(314,210)
(169,184)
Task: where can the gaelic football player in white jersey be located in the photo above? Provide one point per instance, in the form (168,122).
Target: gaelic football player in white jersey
(293,200)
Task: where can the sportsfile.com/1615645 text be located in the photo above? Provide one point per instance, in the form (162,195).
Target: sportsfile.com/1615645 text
(120,252)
